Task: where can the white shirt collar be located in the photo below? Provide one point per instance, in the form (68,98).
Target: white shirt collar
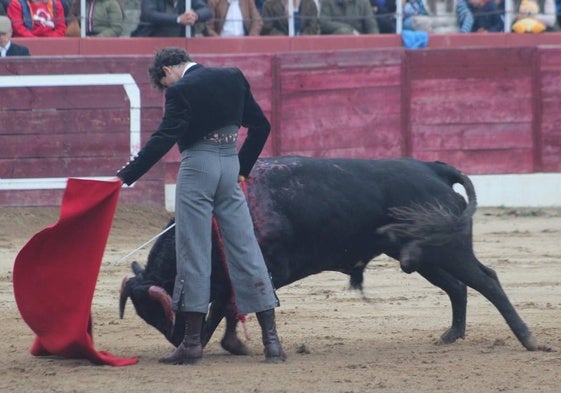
(4,50)
(189,65)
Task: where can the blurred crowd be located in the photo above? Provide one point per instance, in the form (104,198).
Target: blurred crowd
(170,18)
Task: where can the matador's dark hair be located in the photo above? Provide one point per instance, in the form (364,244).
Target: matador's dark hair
(166,57)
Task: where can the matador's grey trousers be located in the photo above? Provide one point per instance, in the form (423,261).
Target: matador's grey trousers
(207,184)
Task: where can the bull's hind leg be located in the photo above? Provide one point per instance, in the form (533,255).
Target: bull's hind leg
(231,342)
(218,310)
(484,280)
(457,292)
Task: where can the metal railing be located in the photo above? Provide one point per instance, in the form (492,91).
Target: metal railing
(292,16)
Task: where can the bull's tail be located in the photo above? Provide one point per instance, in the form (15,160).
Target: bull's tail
(432,223)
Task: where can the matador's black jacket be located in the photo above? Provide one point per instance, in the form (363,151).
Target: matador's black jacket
(204,100)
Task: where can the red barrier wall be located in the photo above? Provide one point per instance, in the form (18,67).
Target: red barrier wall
(216,45)
(474,108)
(485,110)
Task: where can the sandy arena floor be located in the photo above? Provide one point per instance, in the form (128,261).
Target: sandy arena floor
(385,344)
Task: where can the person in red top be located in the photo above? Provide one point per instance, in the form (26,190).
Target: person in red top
(37,18)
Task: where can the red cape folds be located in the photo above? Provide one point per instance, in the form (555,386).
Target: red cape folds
(56,271)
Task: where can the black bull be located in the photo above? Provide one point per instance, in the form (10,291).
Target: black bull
(313,215)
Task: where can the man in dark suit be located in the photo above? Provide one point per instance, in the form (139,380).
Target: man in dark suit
(8,48)
(168,18)
(204,109)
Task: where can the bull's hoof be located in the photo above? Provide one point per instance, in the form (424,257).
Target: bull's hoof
(234,346)
(530,343)
(450,336)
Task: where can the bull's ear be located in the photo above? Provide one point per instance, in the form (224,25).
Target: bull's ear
(137,268)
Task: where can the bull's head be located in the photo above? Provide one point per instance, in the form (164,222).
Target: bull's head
(150,288)
(152,303)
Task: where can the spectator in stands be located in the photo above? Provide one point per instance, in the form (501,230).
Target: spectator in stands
(259,5)
(416,16)
(480,15)
(104,18)
(234,18)
(8,48)
(308,23)
(66,7)
(384,11)
(347,17)
(534,16)
(3,7)
(37,18)
(168,18)
(275,17)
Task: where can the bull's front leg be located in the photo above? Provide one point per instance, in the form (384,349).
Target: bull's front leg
(457,292)
(230,342)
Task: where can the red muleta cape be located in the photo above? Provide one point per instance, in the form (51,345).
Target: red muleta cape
(55,273)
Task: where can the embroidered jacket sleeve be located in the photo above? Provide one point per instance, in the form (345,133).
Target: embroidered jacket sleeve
(258,129)
(174,123)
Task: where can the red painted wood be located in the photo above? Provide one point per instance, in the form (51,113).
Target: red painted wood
(465,109)
(480,108)
(500,161)
(331,43)
(472,137)
(550,74)
(51,46)
(31,167)
(31,198)
(54,122)
(341,58)
(150,189)
(64,97)
(90,144)
(214,45)
(471,63)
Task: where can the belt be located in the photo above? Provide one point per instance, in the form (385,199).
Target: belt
(221,138)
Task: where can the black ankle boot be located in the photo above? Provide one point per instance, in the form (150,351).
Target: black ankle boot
(190,350)
(273,349)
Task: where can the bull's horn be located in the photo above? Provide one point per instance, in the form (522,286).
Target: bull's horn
(137,268)
(160,295)
(123,295)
